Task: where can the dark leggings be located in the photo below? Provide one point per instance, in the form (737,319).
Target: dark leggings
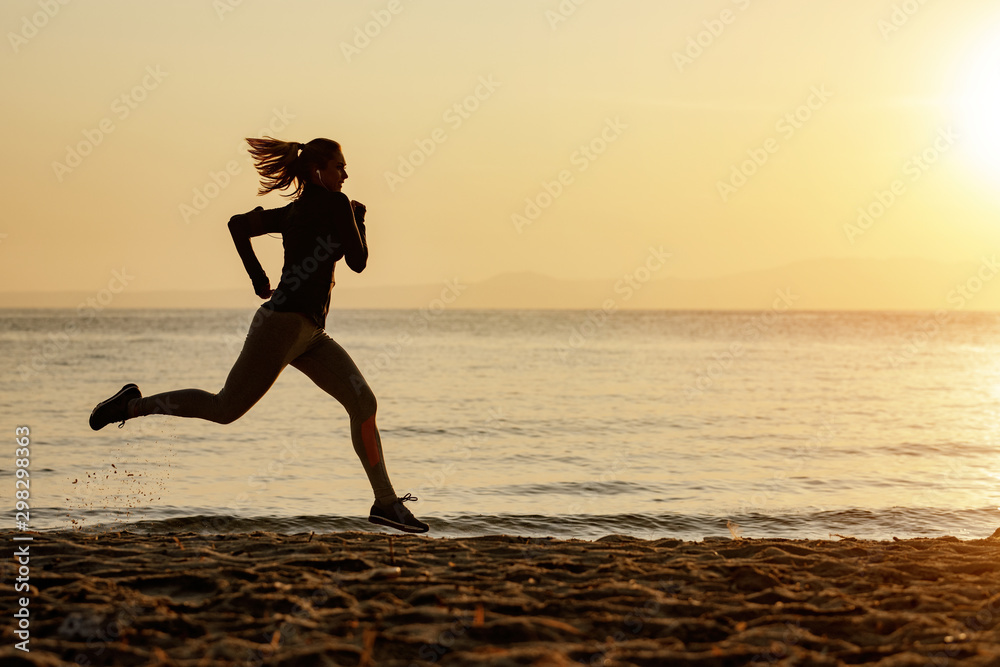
(274,341)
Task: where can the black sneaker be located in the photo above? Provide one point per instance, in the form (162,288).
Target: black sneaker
(398,517)
(115,409)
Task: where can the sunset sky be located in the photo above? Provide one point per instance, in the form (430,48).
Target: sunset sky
(485,137)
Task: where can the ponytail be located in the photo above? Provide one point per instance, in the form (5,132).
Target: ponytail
(282,164)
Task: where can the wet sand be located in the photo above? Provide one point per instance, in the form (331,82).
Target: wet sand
(380,599)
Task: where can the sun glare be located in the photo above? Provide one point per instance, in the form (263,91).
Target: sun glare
(978,107)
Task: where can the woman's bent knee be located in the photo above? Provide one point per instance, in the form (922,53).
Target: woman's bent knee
(227,416)
(226,412)
(367,405)
(364,399)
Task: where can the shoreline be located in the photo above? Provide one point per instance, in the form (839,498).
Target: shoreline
(359,598)
(872,525)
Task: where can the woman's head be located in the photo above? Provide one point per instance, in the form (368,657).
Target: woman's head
(282,164)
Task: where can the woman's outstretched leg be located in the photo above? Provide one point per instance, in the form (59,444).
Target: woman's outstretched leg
(330,366)
(273,340)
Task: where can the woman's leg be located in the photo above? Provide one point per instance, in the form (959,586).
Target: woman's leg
(274,339)
(328,365)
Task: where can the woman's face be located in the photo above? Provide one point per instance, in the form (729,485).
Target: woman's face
(333,175)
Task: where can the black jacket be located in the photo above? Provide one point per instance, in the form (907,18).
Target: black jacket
(317,229)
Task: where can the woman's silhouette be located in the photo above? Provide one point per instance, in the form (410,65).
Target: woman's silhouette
(318,228)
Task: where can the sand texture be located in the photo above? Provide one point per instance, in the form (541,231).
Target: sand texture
(380,599)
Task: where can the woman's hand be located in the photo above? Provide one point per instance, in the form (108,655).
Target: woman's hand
(263,290)
(359,210)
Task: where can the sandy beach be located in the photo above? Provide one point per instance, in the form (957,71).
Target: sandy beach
(378,599)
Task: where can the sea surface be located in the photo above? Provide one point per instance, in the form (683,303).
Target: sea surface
(571,424)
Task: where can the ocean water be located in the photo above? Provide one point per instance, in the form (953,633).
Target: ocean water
(535,423)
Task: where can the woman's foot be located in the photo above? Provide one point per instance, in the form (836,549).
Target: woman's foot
(398,517)
(115,409)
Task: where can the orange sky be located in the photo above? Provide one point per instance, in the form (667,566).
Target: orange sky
(495,136)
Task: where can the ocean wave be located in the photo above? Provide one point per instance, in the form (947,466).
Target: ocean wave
(882,524)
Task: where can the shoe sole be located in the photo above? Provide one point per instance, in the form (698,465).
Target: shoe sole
(100,405)
(398,526)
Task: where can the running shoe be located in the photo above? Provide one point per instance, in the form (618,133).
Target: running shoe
(115,409)
(398,517)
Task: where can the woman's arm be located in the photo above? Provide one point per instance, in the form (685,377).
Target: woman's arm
(351,230)
(242,228)
(358,210)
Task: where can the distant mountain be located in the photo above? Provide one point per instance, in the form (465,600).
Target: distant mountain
(823,284)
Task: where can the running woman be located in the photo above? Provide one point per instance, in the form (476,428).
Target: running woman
(319,227)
